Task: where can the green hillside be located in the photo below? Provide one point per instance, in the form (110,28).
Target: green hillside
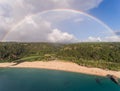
(102,55)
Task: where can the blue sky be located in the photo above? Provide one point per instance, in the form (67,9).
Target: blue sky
(109,12)
(24,20)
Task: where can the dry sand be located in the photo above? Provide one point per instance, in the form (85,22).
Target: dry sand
(65,66)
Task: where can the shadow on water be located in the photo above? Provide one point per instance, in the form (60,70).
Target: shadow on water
(101,81)
(114,79)
(98,81)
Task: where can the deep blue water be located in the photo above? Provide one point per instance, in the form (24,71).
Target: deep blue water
(21,79)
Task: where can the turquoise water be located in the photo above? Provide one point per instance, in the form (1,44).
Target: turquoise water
(21,79)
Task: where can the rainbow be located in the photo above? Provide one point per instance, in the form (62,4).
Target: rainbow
(58,10)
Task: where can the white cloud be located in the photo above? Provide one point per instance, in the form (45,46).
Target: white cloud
(13,11)
(94,39)
(114,38)
(73,4)
(18,9)
(31,30)
(29,20)
(35,29)
(58,36)
(78,20)
(84,4)
(58,16)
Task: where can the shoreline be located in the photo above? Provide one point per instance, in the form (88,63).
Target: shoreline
(63,66)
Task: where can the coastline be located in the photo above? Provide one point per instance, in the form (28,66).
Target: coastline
(63,66)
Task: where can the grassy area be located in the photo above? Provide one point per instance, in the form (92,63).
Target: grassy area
(31,58)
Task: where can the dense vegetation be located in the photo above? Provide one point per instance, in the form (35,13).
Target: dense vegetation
(102,55)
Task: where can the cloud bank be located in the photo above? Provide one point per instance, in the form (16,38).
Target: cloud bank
(13,11)
(34,29)
(113,38)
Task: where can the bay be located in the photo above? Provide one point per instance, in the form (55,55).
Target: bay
(29,79)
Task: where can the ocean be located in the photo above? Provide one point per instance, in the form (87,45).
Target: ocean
(29,79)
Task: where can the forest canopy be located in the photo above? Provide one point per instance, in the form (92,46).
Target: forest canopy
(102,55)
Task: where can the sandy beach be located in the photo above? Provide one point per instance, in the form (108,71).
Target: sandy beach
(64,66)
